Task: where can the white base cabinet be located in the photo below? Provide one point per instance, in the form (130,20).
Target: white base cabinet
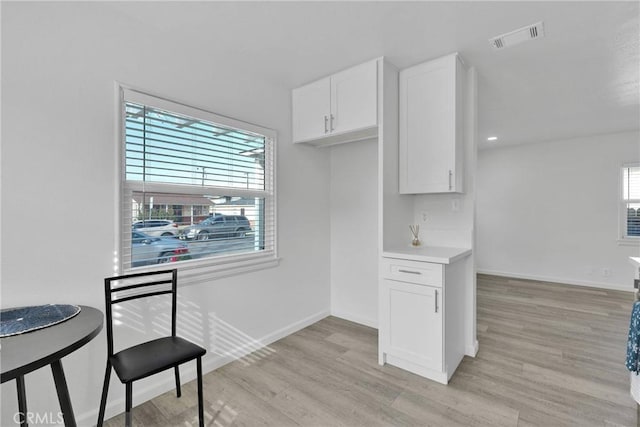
(421,326)
(414,325)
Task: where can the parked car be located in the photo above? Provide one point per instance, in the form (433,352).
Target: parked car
(217,227)
(147,250)
(156,227)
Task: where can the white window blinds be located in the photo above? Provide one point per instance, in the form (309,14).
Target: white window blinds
(162,146)
(198,188)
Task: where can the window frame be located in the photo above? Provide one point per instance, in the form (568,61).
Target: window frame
(623,238)
(201,269)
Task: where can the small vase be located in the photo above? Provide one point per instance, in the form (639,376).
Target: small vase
(415,242)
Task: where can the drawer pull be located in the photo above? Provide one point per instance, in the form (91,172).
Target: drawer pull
(409,272)
(436,299)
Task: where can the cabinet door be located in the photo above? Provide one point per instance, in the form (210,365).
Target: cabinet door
(354,102)
(311,110)
(427,137)
(411,321)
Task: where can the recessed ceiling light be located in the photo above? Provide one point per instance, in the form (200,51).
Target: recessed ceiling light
(492,138)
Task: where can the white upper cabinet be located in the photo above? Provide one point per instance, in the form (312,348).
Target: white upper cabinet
(311,107)
(354,98)
(431,127)
(339,108)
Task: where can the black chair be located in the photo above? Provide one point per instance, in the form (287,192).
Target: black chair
(150,357)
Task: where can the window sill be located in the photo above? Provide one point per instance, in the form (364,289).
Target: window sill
(200,271)
(629,242)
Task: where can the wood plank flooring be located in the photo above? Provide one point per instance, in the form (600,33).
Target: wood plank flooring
(550,355)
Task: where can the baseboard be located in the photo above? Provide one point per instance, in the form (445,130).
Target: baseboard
(372,323)
(472,350)
(561,280)
(188,372)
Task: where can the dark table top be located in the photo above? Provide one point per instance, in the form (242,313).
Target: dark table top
(21,354)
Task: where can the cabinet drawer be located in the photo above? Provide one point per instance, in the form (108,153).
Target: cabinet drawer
(423,273)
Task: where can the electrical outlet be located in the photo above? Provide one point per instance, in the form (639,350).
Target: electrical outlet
(424,215)
(455,205)
(606,272)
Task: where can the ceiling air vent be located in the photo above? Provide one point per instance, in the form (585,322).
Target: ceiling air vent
(530,32)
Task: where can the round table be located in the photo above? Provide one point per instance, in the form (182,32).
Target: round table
(27,352)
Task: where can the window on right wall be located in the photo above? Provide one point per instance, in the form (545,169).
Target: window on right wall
(630,203)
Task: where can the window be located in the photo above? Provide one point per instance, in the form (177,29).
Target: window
(197,189)
(630,202)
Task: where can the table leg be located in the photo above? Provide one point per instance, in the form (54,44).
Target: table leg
(63,394)
(22,401)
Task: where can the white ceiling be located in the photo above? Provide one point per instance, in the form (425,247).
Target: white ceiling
(582,78)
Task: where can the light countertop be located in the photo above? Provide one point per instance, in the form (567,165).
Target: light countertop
(437,254)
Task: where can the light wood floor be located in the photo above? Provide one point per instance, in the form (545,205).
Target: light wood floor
(550,355)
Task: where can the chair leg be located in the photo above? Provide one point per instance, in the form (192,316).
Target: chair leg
(178,391)
(22,401)
(200,402)
(127,415)
(105,391)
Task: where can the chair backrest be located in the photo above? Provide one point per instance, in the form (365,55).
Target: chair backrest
(127,287)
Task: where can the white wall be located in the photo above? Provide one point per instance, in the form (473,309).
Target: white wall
(549,210)
(354,231)
(59,64)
